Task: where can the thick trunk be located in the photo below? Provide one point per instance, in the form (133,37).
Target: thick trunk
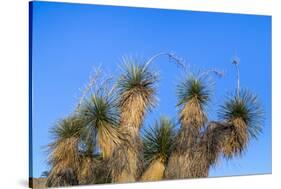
(132,111)
(85,173)
(189,158)
(126,162)
(65,163)
(187,165)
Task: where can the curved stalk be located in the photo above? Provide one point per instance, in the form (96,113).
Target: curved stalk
(170,55)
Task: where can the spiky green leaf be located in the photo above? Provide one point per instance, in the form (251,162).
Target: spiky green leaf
(194,87)
(158,139)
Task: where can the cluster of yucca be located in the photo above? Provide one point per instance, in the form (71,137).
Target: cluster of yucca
(102,141)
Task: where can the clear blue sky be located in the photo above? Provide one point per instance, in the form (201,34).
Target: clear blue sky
(69,40)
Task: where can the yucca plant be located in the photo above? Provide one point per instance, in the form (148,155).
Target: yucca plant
(101,143)
(136,92)
(157,141)
(136,97)
(240,119)
(244,113)
(64,155)
(193,95)
(100,118)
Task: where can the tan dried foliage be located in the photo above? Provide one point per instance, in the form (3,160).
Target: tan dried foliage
(155,170)
(133,105)
(86,172)
(64,156)
(126,162)
(187,165)
(192,114)
(237,140)
(188,159)
(108,139)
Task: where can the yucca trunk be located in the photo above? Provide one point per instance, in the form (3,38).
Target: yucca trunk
(65,163)
(85,173)
(130,172)
(188,163)
(126,162)
(236,141)
(132,114)
(154,171)
(133,106)
(192,115)
(212,142)
(185,161)
(136,97)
